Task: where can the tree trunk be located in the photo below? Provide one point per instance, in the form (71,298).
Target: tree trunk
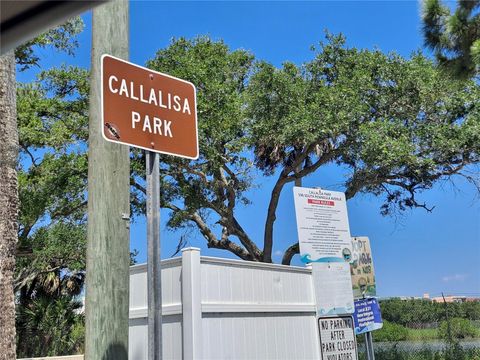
(271,217)
(8,203)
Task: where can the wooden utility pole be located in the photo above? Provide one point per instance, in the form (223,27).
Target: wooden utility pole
(108,250)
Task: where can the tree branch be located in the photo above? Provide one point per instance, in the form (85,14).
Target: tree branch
(67,211)
(138,186)
(283,179)
(224,243)
(238,231)
(32,158)
(24,277)
(289,253)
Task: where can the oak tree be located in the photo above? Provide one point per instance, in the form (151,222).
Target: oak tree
(397,125)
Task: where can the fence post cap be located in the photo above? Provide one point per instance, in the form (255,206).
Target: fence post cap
(190,249)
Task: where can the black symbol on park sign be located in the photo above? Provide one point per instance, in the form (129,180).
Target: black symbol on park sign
(347,254)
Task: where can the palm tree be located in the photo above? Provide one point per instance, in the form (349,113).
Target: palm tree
(50,327)
(8,203)
(454,37)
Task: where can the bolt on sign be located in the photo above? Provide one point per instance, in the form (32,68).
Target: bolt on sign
(337,338)
(147,109)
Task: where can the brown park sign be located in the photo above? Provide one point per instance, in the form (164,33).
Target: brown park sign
(147,109)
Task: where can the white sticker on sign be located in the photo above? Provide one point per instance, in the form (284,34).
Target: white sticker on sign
(337,338)
(333,288)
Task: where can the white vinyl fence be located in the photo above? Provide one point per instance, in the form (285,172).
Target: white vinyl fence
(227,309)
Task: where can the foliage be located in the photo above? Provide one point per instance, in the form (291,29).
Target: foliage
(421,313)
(391,332)
(457,328)
(395,353)
(205,192)
(454,37)
(52,119)
(62,38)
(397,126)
(47,328)
(422,334)
(53,129)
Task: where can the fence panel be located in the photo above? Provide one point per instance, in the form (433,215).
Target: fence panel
(227,309)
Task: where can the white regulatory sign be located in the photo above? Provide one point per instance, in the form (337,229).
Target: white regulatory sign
(333,288)
(322,223)
(337,338)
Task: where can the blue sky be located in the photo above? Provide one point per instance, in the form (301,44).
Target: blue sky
(416,253)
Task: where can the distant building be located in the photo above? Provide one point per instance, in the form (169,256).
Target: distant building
(454,299)
(436,299)
(473,299)
(405,298)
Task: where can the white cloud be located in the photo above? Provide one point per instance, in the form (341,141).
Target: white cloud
(278,253)
(455,277)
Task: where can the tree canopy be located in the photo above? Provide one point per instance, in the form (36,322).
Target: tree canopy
(398,125)
(52,125)
(217,182)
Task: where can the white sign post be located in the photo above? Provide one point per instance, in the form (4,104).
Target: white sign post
(322,223)
(337,338)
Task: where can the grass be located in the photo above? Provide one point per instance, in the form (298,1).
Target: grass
(422,334)
(424,354)
(429,334)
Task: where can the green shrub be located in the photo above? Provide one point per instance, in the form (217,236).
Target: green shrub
(459,329)
(390,332)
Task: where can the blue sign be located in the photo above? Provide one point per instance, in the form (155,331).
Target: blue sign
(367,315)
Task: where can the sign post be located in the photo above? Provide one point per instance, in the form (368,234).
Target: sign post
(154,275)
(369,346)
(158,113)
